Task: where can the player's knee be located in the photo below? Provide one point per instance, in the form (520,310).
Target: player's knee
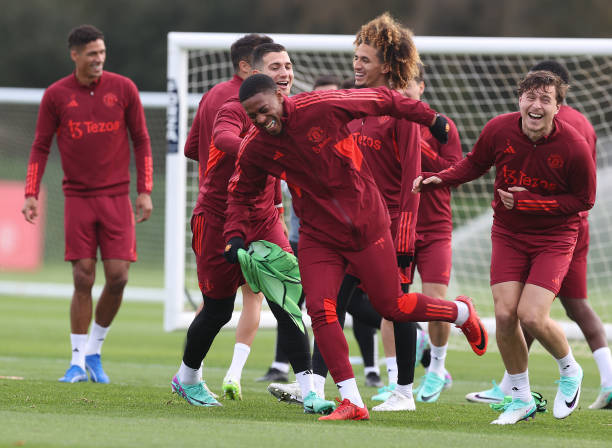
(83,278)
(531,321)
(505,318)
(116,281)
(215,314)
(322,314)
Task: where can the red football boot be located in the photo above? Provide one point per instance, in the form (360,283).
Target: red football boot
(347,411)
(473,329)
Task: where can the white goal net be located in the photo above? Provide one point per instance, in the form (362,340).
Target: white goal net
(469,79)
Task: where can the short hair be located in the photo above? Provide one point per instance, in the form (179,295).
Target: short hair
(394,46)
(242,49)
(348,83)
(82,35)
(261,50)
(541,78)
(325,80)
(255,84)
(554,67)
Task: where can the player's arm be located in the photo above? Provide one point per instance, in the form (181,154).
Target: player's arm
(383,101)
(582,184)
(47,123)
(230,124)
(438,157)
(143,157)
(192,143)
(474,165)
(247,182)
(408,138)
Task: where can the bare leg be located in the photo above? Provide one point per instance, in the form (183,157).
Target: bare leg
(84,275)
(439,332)
(509,336)
(534,313)
(589,322)
(116,275)
(249,317)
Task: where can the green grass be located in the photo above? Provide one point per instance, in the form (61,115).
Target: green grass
(137,408)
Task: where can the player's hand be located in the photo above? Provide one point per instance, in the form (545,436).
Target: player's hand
(231,249)
(507,197)
(144,207)
(404,260)
(30,209)
(440,128)
(417,184)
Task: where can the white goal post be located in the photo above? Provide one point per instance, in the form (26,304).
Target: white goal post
(470,79)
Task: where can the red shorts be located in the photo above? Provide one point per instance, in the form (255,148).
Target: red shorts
(433,257)
(574,284)
(217,278)
(540,260)
(105,221)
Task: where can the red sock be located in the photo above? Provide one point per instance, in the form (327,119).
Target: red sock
(418,307)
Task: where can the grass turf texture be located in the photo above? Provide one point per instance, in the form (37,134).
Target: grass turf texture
(137,408)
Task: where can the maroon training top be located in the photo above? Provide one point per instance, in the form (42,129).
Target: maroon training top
(230,126)
(435,216)
(558,172)
(333,191)
(200,135)
(390,146)
(92,124)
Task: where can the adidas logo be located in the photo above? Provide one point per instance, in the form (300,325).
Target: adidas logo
(72,103)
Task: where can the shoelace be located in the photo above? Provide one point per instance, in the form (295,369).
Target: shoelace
(344,407)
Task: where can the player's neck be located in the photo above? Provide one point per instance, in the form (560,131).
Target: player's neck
(86,80)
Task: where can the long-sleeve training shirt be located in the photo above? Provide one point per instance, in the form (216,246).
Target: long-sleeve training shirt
(199,139)
(435,215)
(558,172)
(230,126)
(584,128)
(391,147)
(333,191)
(91,123)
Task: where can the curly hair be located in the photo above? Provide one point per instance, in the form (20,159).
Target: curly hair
(395,47)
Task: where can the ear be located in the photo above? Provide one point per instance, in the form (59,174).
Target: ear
(421,88)
(244,67)
(386,68)
(73,54)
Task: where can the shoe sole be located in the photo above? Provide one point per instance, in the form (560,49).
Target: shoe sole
(479,348)
(281,395)
(528,417)
(74,380)
(177,389)
(94,377)
(485,400)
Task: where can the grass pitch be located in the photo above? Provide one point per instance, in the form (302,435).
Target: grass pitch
(137,408)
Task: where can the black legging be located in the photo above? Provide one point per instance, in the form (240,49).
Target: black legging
(218,312)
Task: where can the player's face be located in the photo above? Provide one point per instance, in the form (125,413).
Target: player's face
(278,66)
(538,108)
(89,60)
(265,110)
(369,69)
(414,90)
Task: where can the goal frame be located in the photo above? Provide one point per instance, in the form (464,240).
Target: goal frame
(180,43)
